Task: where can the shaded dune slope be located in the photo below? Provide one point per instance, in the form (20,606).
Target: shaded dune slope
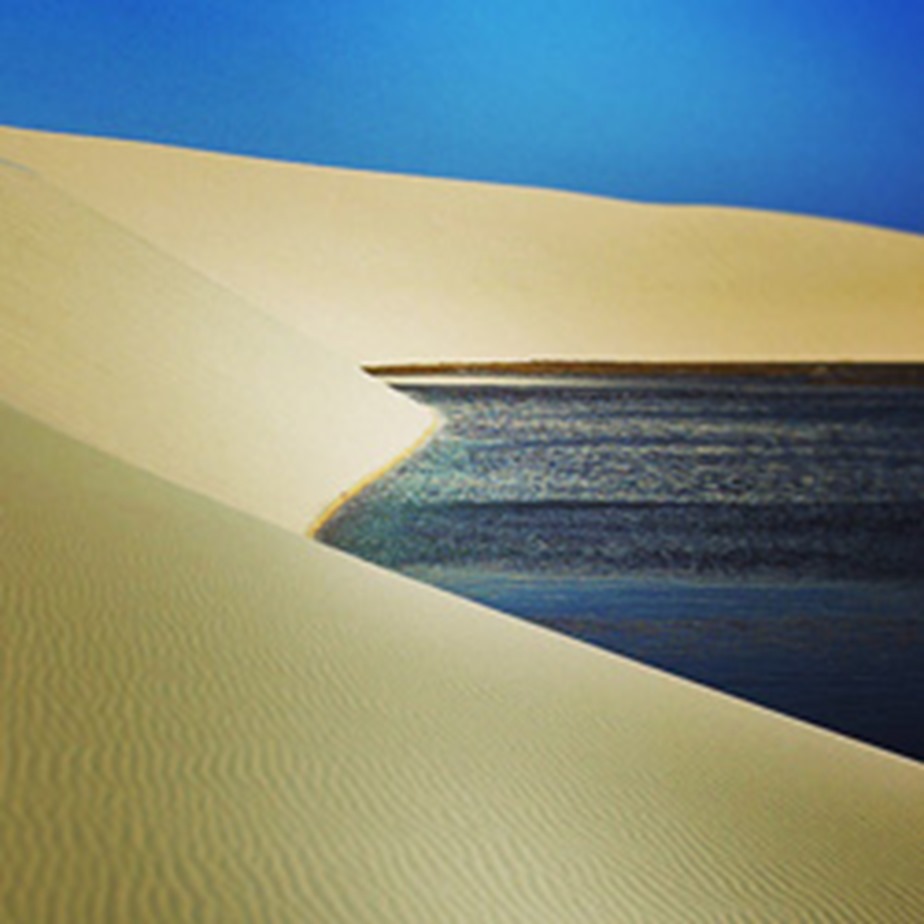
(430,269)
(109,339)
(208,718)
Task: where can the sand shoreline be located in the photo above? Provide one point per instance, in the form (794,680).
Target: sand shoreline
(870,374)
(347,494)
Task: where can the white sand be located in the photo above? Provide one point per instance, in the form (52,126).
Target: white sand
(208,718)
(391,268)
(120,345)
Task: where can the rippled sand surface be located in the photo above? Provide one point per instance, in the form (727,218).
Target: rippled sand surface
(210,719)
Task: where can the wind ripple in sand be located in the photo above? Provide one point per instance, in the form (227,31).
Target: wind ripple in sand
(210,720)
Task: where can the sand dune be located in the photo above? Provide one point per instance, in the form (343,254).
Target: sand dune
(208,718)
(426,269)
(116,343)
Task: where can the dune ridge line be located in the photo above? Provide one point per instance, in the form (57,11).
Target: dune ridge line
(385,268)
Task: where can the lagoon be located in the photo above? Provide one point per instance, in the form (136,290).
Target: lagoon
(763,537)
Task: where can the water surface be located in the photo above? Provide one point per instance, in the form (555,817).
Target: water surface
(764,537)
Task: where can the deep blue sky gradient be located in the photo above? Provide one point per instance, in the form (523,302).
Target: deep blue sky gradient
(811,106)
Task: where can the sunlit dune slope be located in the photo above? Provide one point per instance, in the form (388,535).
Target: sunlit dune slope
(114,342)
(396,268)
(209,719)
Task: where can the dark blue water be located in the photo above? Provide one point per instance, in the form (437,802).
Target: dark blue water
(763,537)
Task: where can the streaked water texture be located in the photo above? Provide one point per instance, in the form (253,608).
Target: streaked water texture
(763,537)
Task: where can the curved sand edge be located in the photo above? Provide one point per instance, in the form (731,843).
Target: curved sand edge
(349,493)
(209,719)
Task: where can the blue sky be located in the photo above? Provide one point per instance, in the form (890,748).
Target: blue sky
(811,106)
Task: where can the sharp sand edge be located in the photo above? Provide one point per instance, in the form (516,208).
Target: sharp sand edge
(109,339)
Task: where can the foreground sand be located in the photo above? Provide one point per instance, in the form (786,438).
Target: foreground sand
(208,718)
(424,269)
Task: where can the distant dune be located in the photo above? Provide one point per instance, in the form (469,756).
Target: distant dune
(387,268)
(209,718)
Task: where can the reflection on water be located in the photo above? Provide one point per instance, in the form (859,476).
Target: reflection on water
(764,537)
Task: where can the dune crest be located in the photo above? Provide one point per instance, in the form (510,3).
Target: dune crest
(422,269)
(118,344)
